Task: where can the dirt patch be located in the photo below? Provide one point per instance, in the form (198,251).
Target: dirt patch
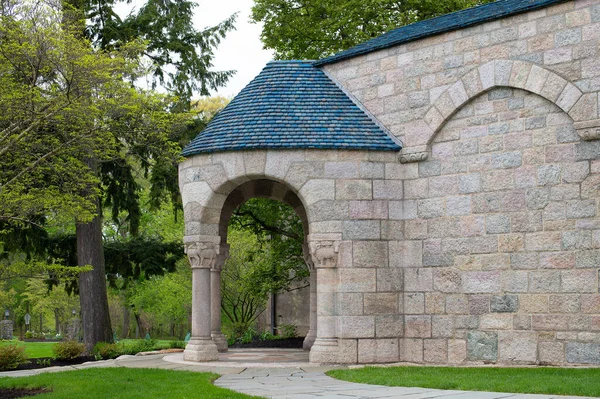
(11,393)
(288,343)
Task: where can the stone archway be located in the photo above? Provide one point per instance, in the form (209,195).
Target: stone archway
(207,254)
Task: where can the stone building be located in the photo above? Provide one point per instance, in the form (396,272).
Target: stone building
(447,174)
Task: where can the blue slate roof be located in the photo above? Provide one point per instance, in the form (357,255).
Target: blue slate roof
(445,23)
(291,105)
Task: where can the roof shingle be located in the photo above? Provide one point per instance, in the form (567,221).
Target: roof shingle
(291,105)
(445,23)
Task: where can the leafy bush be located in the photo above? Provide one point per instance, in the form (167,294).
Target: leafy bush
(266,336)
(248,336)
(68,350)
(139,346)
(29,335)
(177,344)
(107,350)
(11,356)
(288,331)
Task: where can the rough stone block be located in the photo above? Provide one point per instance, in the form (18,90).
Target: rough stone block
(347,304)
(406,253)
(584,353)
(380,303)
(506,160)
(442,326)
(457,304)
(457,351)
(357,280)
(564,303)
(497,224)
(549,175)
(551,352)
(482,346)
(557,260)
(587,259)
(468,184)
(583,281)
(414,303)
(389,326)
(496,321)
(370,254)
(417,326)
(390,280)
(446,280)
(361,230)
(543,322)
(378,350)
(590,303)
(435,351)
(356,326)
(504,303)
(416,189)
(517,347)
(418,280)
(354,189)
(411,350)
(548,281)
(431,208)
(387,189)
(522,322)
(543,241)
(481,282)
(533,304)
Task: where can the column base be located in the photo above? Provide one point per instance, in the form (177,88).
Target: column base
(324,350)
(309,340)
(200,350)
(220,340)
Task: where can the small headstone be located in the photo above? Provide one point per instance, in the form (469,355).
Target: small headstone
(6,329)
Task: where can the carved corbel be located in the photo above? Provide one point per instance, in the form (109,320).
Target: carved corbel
(588,130)
(202,251)
(222,256)
(324,253)
(414,154)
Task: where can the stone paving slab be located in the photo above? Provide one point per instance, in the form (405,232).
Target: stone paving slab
(280,381)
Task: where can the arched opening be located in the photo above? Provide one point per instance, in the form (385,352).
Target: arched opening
(265,282)
(275,294)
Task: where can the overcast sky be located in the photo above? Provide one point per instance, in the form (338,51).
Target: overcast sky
(242,49)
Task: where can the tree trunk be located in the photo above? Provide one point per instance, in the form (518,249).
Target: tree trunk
(95,318)
(56,322)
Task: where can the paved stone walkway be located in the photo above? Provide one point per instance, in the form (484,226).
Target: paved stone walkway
(282,374)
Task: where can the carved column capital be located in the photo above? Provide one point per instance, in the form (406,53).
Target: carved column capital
(324,249)
(306,254)
(222,256)
(202,251)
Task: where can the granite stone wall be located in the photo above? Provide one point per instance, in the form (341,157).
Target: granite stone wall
(480,241)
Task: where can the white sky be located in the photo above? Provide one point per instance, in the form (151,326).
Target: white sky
(242,49)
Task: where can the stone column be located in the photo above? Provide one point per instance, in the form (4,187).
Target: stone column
(312,330)
(215,282)
(202,253)
(6,329)
(324,250)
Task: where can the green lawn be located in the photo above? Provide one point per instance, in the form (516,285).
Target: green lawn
(33,350)
(116,383)
(540,380)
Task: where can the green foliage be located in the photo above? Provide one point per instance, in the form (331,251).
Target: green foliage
(68,350)
(266,336)
(11,356)
(177,344)
(119,382)
(138,346)
(313,29)
(538,380)
(107,350)
(248,336)
(287,331)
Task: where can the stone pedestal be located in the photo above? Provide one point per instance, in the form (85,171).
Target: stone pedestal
(324,350)
(6,329)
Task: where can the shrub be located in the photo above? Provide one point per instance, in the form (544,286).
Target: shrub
(266,336)
(288,331)
(68,350)
(248,336)
(107,350)
(139,346)
(29,335)
(11,356)
(177,344)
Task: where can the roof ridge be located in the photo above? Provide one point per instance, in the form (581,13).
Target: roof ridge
(440,24)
